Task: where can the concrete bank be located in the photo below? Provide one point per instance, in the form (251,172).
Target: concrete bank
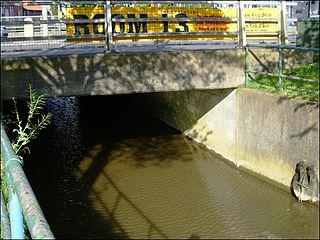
(263,133)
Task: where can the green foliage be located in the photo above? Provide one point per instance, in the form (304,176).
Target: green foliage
(310,71)
(308,91)
(54,9)
(4,187)
(34,123)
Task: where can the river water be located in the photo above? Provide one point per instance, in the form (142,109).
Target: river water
(106,169)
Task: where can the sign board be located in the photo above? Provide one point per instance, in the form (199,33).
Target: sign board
(137,13)
(85,13)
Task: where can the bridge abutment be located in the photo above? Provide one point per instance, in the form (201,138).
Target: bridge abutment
(195,92)
(262,133)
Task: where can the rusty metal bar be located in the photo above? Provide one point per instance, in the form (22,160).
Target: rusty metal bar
(33,215)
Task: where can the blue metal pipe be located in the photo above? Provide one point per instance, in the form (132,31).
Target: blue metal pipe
(15,213)
(16,218)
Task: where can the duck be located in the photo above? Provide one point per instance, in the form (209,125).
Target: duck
(305,183)
(311,192)
(300,179)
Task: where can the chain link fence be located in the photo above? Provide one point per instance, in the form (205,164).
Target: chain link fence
(128,25)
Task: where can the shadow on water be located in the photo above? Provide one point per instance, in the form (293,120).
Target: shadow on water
(89,132)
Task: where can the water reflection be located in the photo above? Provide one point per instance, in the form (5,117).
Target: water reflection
(127,175)
(66,137)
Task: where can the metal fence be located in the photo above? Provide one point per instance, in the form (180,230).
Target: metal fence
(294,57)
(23,204)
(124,25)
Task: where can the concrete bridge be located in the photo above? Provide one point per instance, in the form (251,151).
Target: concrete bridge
(107,73)
(195,92)
(123,73)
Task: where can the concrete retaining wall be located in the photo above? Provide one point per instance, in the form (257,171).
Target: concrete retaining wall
(274,133)
(263,133)
(266,60)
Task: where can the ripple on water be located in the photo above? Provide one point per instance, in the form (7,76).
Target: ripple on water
(158,186)
(200,195)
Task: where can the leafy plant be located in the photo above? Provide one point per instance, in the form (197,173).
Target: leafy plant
(34,123)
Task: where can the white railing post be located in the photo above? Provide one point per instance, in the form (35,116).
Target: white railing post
(284,31)
(45,18)
(59,17)
(242,25)
(108,26)
(28,29)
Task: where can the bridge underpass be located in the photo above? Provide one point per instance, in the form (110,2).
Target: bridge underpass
(197,94)
(186,86)
(128,175)
(193,92)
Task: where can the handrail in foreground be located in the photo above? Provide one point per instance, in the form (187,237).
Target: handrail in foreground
(15,176)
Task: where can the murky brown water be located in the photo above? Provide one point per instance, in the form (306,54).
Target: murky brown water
(127,175)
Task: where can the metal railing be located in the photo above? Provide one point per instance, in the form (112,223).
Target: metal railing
(280,71)
(111,25)
(22,201)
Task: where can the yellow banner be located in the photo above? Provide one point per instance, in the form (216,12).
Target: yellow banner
(262,13)
(169,12)
(136,26)
(85,13)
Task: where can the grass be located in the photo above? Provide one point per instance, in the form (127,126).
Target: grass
(310,71)
(308,91)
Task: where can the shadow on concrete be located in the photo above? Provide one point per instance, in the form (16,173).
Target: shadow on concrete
(267,60)
(182,109)
(121,73)
(312,128)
